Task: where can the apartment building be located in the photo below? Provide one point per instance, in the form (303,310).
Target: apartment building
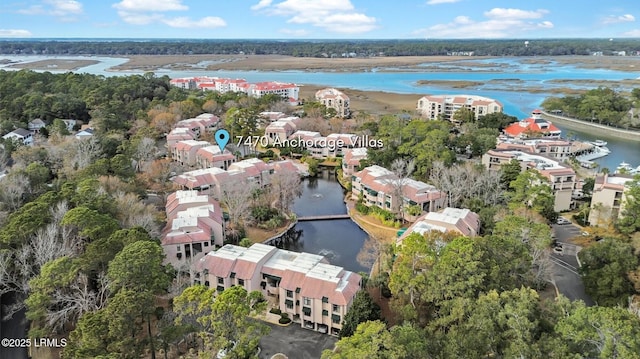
(332,98)
(195,226)
(200,124)
(211,156)
(211,180)
(436,106)
(561,178)
(459,220)
(284,90)
(279,131)
(533,127)
(179,134)
(607,201)
(313,292)
(351,160)
(378,187)
(553,148)
(184,152)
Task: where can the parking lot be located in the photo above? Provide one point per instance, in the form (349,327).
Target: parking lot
(295,342)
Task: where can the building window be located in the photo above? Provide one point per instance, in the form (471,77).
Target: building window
(306,311)
(233,274)
(325,300)
(335,319)
(206,244)
(220,288)
(307,301)
(288,303)
(241,282)
(336,308)
(220,280)
(298,290)
(178,248)
(325,313)
(289,294)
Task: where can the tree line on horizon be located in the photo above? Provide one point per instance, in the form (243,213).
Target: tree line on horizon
(321,48)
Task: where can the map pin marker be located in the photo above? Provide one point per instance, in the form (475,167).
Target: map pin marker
(222,138)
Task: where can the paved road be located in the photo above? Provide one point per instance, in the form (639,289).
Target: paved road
(295,342)
(565,270)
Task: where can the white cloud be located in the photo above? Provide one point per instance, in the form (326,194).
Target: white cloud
(150,5)
(144,12)
(612,19)
(337,16)
(65,10)
(436,2)
(514,14)
(209,22)
(262,4)
(14,33)
(136,18)
(632,33)
(499,23)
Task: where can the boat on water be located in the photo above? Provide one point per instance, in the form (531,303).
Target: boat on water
(599,143)
(625,168)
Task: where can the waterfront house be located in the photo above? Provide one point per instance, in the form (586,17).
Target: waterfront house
(459,220)
(195,226)
(332,98)
(377,186)
(607,201)
(533,127)
(445,106)
(313,292)
(21,136)
(561,178)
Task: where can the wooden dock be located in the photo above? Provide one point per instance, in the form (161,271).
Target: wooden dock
(323,217)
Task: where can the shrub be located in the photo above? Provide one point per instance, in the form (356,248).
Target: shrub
(284,320)
(275,311)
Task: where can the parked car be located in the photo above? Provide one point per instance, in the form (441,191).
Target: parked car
(562,220)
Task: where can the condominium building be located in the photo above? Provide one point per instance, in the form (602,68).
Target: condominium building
(211,156)
(561,178)
(334,99)
(435,106)
(351,160)
(194,227)
(607,201)
(459,220)
(179,134)
(184,152)
(533,127)
(212,180)
(313,292)
(200,124)
(380,187)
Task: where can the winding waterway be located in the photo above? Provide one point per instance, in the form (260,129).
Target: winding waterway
(339,240)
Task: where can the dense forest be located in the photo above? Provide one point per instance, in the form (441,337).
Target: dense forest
(321,48)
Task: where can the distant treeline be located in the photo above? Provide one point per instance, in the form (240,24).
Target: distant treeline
(324,48)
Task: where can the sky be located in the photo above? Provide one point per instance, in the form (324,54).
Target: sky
(319,19)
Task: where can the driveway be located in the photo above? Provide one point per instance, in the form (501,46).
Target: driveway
(565,270)
(295,342)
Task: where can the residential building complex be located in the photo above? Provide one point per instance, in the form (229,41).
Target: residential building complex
(194,227)
(462,221)
(212,180)
(351,160)
(303,285)
(434,107)
(334,99)
(288,91)
(607,201)
(380,187)
(533,127)
(561,178)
